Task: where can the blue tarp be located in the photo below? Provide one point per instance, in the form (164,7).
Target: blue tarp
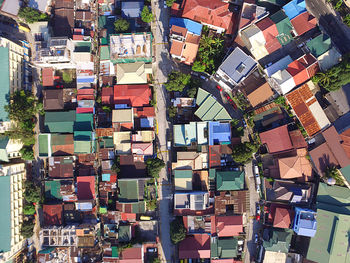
(294,8)
(191,26)
(132,9)
(106,177)
(85,79)
(219,133)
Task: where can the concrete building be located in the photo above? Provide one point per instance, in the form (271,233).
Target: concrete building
(11,200)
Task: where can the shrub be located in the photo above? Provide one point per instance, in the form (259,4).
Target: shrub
(172,111)
(27,228)
(177,230)
(32,192)
(29,209)
(154,166)
(121,25)
(27,153)
(177,81)
(67,78)
(146,15)
(31,15)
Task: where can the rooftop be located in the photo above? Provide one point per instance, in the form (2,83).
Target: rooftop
(5,76)
(195,246)
(86,187)
(229,180)
(60,122)
(5,218)
(277,140)
(132,95)
(191,26)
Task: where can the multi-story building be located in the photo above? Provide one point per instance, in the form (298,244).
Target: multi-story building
(11,200)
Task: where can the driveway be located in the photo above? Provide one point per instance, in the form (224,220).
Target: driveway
(331,22)
(162,66)
(252,226)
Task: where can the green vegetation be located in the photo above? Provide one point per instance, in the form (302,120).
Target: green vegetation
(243,152)
(106,108)
(154,165)
(27,228)
(32,192)
(177,81)
(116,164)
(193,86)
(28,209)
(341,7)
(336,77)
(241,101)
(31,15)
(172,111)
(169,3)
(332,172)
(151,204)
(283,103)
(22,110)
(237,129)
(146,15)
(210,53)
(67,78)
(27,153)
(121,25)
(177,230)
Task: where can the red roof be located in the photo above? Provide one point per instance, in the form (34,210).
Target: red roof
(133,95)
(303,23)
(345,136)
(86,91)
(53,214)
(144,112)
(310,63)
(85,110)
(78,37)
(86,187)
(85,97)
(298,72)
(282,216)
(270,32)
(227,226)
(212,12)
(195,246)
(128,216)
(131,255)
(107,95)
(277,140)
(47,76)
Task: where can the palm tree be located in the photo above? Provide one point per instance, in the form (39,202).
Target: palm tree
(323,78)
(218,42)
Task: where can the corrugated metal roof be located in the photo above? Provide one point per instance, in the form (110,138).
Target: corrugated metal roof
(5,82)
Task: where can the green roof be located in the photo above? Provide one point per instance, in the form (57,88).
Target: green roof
(104,53)
(185,134)
(115,253)
(106,142)
(103,210)
(83,147)
(5,82)
(3,152)
(212,173)
(128,190)
(5,217)
(47,250)
(229,180)
(209,108)
(53,190)
(60,122)
(138,207)
(82,135)
(346,173)
(124,233)
(335,196)
(280,240)
(284,27)
(82,46)
(224,247)
(182,174)
(44,145)
(84,122)
(331,241)
(319,45)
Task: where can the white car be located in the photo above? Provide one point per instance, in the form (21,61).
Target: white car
(165,5)
(258,189)
(256,238)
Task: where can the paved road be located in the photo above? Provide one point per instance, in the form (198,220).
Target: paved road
(330,21)
(252,226)
(161,68)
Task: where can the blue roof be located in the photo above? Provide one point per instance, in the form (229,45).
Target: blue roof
(305,223)
(5,82)
(219,133)
(106,177)
(294,8)
(191,26)
(85,79)
(132,9)
(343,123)
(5,217)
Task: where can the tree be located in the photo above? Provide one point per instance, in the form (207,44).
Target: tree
(116,164)
(146,15)
(106,108)
(32,192)
(198,66)
(151,204)
(121,25)
(169,3)
(177,81)
(347,20)
(27,228)
(154,165)
(67,78)
(27,153)
(172,111)
(177,230)
(28,209)
(243,152)
(192,87)
(31,15)
(332,172)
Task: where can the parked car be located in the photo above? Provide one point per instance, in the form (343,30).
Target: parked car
(258,188)
(219,88)
(165,6)
(152,249)
(203,77)
(256,238)
(230,100)
(258,211)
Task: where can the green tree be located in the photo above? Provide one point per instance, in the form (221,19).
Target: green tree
(116,164)
(154,165)
(28,209)
(121,25)
(67,78)
(192,87)
(243,152)
(146,15)
(169,3)
(27,228)
(177,81)
(172,111)
(347,20)
(198,66)
(332,172)
(31,15)
(27,153)
(155,260)
(32,192)
(151,204)
(177,230)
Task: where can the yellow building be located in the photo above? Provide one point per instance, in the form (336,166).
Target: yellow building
(12,178)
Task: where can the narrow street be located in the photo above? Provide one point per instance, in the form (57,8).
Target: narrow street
(162,67)
(252,225)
